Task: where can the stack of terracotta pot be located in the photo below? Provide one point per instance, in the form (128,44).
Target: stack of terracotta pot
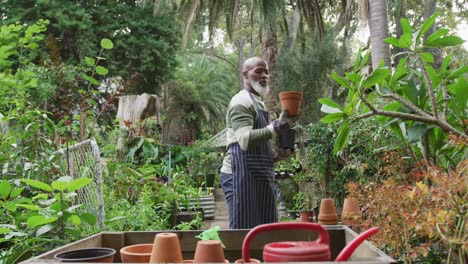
(327,214)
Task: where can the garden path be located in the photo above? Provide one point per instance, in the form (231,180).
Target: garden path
(221,212)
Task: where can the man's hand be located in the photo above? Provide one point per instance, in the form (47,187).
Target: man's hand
(285,118)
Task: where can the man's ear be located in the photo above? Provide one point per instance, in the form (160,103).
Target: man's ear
(244,74)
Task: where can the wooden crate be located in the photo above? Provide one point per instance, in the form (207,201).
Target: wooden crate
(340,235)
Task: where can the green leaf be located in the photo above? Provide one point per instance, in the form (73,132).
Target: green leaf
(5,189)
(460,91)
(406,40)
(444,42)
(89,218)
(16,192)
(445,63)
(427,57)
(416,131)
(458,72)
(330,102)
(37,184)
(90,79)
(78,183)
(74,219)
(42,196)
(432,75)
(375,77)
(395,127)
(106,43)
(29,207)
(90,61)
(411,92)
(400,71)
(44,229)
(426,26)
(330,118)
(4,230)
(393,41)
(364,60)
(394,106)
(354,77)
(101,70)
(406,27)
(59,185)
(39,220)
(340,80)
(439,33)
(342,139)
(358,59)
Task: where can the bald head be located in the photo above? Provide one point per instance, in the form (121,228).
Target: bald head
(253,62)
(256,76)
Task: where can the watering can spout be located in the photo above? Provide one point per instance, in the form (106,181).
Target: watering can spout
(351,247)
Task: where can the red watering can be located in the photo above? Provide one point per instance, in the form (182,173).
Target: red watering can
(300,251)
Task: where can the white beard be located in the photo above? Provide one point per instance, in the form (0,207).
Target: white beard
(260,89)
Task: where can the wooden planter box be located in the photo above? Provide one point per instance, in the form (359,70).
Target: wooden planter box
(340,235)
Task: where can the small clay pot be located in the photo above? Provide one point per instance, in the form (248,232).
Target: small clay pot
(327,214)
(166,248)
(291,101)
(306,216)
(139,253)
(87,255)
(209,251)
(351,214)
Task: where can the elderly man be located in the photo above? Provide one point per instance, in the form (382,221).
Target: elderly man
(247,175)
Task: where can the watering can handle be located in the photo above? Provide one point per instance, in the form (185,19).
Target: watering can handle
(322,239)
(351,247)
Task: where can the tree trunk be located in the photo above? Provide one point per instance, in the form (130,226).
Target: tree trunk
(295,19)
(189,20)
(240,43)
(378,27)
(269,53)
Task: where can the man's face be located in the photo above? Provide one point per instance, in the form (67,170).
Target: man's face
(258,77)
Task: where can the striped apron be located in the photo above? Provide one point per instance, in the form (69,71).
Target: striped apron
(253,181)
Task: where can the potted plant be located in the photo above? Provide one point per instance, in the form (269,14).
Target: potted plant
(302,207)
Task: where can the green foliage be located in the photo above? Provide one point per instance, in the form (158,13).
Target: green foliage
(147,213)
(309,71)
(202,89)
(366,158)
(40,215)
(422,105)
(144,47)
(299,202)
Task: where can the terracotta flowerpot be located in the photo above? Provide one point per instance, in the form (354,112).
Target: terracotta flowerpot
(306,216)
(351,214)
(209,251)
(166,248)
(139,253)
(291,101)
(327,214)
(87,255)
